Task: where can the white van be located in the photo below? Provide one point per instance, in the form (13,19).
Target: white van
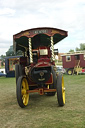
(60,69)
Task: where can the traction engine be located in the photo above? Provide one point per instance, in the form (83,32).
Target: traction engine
(36,71)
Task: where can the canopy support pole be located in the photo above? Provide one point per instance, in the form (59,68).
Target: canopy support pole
(52,49)
(30,50)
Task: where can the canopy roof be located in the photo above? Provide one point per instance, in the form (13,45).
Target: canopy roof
(39,37)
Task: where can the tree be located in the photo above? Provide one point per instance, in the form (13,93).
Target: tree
(77,49)
(71,50)
(10,52)
(82,47)
(2,57)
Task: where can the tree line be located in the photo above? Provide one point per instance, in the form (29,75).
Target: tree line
(81,48)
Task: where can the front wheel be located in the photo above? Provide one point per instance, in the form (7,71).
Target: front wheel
(18,71)
(60,90)
(22,95)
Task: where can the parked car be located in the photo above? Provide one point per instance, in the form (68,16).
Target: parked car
(60,69)
(2,74)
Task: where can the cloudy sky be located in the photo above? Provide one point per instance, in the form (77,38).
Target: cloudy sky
(18,15)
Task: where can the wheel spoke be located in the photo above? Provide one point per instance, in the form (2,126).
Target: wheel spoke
(23,84)
(25,95)
(63,90)
(25,99)
(23,91)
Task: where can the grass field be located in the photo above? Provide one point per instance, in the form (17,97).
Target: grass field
(43,111)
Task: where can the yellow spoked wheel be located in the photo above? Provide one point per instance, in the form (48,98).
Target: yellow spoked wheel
(70,71)
(63,90)
(22,95)
(60,90)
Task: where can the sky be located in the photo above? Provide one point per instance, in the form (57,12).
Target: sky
(18,15)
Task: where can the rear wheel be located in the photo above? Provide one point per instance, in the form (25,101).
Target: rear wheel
(50,93)
(22,95)
(52,86)
(70,71)
(60,90)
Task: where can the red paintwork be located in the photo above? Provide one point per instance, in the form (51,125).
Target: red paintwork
(44,60)
(43,64)
(69,64)
(82,62)
(73,62)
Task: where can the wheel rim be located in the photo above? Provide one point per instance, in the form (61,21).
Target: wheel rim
(69,72)
(63,91)
(25,95)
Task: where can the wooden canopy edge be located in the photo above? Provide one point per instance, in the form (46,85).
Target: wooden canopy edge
(40,30)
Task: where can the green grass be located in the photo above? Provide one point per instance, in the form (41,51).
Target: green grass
(43,111)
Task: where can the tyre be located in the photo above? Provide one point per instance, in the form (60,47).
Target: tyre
(60,90)
(21,91)
(18,71)
(70,71)
(50,93)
